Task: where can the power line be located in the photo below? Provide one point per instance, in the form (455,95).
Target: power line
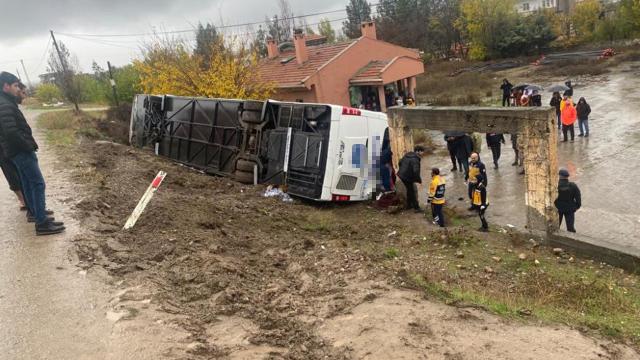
(217,27)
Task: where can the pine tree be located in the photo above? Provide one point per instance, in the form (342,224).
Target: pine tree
(358,11)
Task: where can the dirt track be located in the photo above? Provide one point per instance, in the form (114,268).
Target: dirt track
(251,277)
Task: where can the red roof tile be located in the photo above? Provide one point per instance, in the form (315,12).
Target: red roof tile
(371,72)
(291,74)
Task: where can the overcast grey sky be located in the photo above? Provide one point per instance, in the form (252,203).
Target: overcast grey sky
(25,25)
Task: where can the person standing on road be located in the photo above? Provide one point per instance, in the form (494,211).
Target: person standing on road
(569,91)
(506,88)
(583,110)
(409,173)
(436,196)
(494,142)
(18,144)
(569,115)
(480,202)
(476,167)
(555,102)
(568,201)
(476,141)
(450,138)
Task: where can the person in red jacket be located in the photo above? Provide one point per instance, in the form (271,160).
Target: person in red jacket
(568,117)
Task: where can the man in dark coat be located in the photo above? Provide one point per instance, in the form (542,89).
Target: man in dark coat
(506,92)
(568,201)
(494,142)
(18,144)
(556,99)
(583,109)
(569,91)
(409,173)
(452,139)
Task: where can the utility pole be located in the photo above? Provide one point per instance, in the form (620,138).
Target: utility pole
(64,70)
(113,85)
(26,75)
(18,74)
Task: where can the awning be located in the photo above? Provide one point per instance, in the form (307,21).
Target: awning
(380,72)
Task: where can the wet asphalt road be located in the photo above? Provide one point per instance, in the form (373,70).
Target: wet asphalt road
(605,167)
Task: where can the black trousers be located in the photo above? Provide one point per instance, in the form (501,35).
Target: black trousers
(438,216)
(570,218)
(568,128)
(412,195)
(496,152)
(452,155)
(505,100)
(11,174)
(483,220)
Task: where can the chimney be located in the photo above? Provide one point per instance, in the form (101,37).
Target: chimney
(272,48)
(368,29)
(300,43)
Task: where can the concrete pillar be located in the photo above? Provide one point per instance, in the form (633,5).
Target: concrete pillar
(412,87)
(541,172)
(382,98)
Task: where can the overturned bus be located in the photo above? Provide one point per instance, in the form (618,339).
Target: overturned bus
(317,151)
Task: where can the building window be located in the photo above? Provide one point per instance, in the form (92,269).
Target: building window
(525,7)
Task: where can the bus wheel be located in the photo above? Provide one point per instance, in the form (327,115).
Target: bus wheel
(243,177)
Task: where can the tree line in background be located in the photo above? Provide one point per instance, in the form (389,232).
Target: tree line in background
(218,66)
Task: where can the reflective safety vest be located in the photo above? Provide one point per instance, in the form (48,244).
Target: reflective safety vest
(436,190)
(477,198)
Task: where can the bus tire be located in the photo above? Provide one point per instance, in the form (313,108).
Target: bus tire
(245,166)
(243,177)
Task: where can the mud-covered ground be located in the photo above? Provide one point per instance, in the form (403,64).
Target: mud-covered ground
(253,277)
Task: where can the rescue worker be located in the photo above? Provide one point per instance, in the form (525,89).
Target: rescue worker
(436,196)
(480,201)
(409,173)
(476,167)
(494,142)
(568,201)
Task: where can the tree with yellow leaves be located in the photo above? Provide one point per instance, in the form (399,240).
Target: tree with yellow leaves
(228,71)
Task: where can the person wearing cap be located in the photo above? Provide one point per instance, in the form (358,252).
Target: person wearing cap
(436,196)
(409,173)
(18,144)
(480,202)
(476,167)
(568,201)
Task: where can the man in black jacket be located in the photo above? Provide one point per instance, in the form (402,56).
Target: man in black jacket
(568,201)
(506,92)
(18,144)
(409,173)
(494,142)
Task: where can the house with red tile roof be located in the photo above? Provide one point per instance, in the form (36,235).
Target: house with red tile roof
(364,72)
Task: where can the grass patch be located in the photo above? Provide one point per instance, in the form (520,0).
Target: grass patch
(64,127)
(391,253)
(577,67)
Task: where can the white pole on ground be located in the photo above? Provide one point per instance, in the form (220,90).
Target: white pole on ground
(142,204)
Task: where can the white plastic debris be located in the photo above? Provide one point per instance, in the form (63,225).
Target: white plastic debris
(276,192)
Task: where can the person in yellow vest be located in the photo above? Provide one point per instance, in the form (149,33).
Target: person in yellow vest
(480,202)
(436,196)
(476,167)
